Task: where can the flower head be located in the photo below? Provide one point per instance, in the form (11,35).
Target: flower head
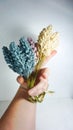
(27,57)
(47,41)
(20,58)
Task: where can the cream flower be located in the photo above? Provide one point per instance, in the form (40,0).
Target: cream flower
(47,41)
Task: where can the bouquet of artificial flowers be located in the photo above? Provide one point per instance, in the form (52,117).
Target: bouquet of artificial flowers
(27,57)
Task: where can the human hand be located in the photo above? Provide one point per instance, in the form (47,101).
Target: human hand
(41,84)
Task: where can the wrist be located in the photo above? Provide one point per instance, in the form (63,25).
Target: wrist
(22,93)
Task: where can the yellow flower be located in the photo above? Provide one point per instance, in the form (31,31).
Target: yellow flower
(47,41)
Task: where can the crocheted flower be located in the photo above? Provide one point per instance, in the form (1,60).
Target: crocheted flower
(27,57)
(47,41)
(20,58)
(34,47)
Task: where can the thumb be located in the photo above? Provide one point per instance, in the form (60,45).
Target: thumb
(53,53)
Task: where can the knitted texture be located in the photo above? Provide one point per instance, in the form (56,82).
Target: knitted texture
(27,57)
(47,41)
(20,58)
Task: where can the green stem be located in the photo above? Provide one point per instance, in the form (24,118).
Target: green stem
(31,82)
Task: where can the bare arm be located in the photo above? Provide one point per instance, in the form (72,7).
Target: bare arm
(21,114)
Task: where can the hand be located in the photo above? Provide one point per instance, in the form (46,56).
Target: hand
(42,79)
(41,83)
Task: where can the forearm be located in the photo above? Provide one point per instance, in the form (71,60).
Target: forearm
(20,114)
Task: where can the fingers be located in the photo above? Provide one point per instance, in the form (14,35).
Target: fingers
(21,81)
(53,53)
(41,87)
(45,73)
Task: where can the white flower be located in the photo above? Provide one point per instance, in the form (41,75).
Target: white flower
(47,41)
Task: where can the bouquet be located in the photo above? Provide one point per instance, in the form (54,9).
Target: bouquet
(27,57)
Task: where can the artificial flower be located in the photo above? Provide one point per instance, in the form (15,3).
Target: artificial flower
(27,57)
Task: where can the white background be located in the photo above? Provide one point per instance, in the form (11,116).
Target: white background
(27,18)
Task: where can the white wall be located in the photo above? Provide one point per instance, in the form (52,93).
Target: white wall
(28,17)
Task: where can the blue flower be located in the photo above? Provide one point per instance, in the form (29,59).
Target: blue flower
(20,58)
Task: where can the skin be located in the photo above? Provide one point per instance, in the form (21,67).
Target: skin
(21,114)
